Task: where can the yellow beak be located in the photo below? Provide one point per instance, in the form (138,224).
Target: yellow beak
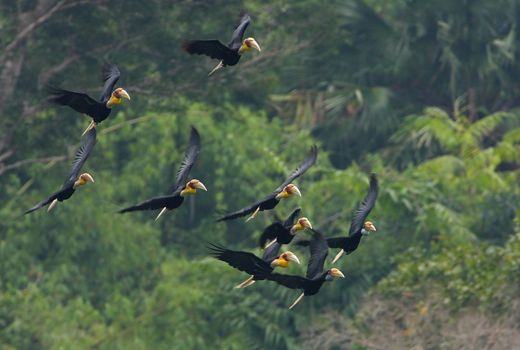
(124,94)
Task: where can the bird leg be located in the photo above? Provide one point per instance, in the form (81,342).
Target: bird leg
(253,215)
(162,212)
(53,204)
(90,126)
(246,283)
(217,67)
(270,243)
(339,255)
(296,301)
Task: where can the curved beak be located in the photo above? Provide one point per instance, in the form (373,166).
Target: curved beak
(370,226)
(306,223)
(296,190)
(255,45)
(89,178)
(124,94)
(336,273)
(199,185)
(292,257)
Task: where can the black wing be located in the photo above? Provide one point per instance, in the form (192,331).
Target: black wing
(246,210)
(78,101)
(319,250)
(189,159)
(289,281)
(292,217)
(44,202)
(271,232)
(238,34)
(306,164)
(211,48)
(81,157)
(150,204)
(337,242)
(243,261)
(111,75)
(366,206)
(271,252)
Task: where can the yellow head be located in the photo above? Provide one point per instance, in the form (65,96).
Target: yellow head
(283,260)
(369,226)
(288,191)
(192,186)
(117,97)
(301,225)
(248,44)
(83,179)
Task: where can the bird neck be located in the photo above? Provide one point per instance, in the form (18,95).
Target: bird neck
(243,48)
(280,262)
(112,101)
(365,232)
(187,191)
(79,182)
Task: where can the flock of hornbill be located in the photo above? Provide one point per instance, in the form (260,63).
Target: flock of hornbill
(274,236)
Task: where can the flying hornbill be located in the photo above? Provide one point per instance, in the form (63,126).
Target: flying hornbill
(83,103)
(228,55)
(284,232)
(358,228)
(315,277)
(74,180)
(181,188)
(285,190)
(251,264)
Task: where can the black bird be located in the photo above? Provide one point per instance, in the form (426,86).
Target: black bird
(284,232)
(181,188)
(285,190)
(74,180)
(315,277)
(358,227)
(83,103)
(251,264)
(228,55)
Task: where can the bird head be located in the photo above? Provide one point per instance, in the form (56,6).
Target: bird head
(248,44)
(368,227)
(117,97)
(284,259)
(334,273)
(288,191)
(83,179)
(301,225)
(192,186)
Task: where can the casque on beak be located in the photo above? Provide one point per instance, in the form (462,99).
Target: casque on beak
(255,45)
(290,256)
(288,191)
(301,224)
(124,94)
(199,185)
(334,272)
(369,226)
(87,177)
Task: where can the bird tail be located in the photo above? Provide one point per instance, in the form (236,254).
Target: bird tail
(217,67)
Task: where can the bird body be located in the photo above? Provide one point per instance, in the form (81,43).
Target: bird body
(74,180)
(284,232)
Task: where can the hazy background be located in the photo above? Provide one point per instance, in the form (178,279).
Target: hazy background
(423,93)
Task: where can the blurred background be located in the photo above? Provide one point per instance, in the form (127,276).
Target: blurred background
(424,93)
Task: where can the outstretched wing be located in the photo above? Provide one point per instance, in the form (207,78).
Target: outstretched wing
(189,159)
(243,261)
(211,48)
(271,252)
(304,166)
(81,156)
(150,204)
(238,34)
(271,232)
(44,202)
(246,210)
(292,217)
(78,101)
(366,206)
(289,281)
(111,75)
(319,250)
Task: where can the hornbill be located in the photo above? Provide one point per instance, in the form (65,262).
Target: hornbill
(284,232)
(74,180)
(251,264)
(285,190)
(358,228)
(181,188)
(83,103)
(228,55)
(315,277)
